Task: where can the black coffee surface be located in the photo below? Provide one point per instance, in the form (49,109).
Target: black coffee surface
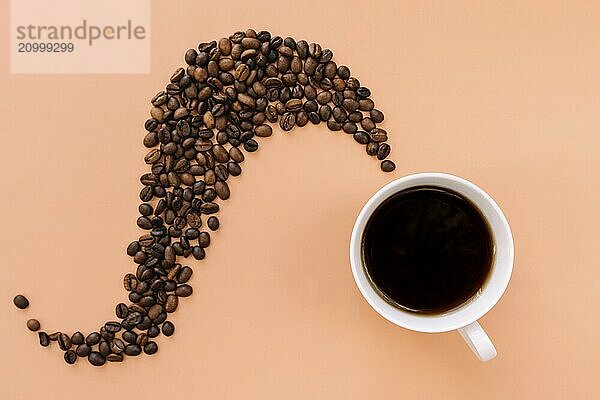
(427,249)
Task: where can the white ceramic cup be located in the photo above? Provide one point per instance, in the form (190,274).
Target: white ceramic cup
(464,317)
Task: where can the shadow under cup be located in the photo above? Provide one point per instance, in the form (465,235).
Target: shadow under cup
(476,306)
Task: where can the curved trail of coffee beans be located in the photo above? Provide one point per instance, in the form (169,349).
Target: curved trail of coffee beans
(218,105)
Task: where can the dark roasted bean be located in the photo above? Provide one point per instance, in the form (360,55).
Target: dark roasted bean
(33,325)
(21,301)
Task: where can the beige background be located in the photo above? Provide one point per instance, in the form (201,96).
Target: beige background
(505,94)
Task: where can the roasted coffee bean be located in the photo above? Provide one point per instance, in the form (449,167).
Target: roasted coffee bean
(154,311)
(388,166)
(154,331)
(70,357)
(198,253)
(112,326)
(130,282)
(77,338)
(21,301)
(33,325)
(184,275)
(234,168)
(376,116)
(213,223)
(209,195)
(263,131)
(83,350)
(384,151)
(172,302)
(378,135)
(104,348)
(132,349)
(54,336)
(106,335)
(168,328)
(96,359)
(93,338)
(222,190)
(372,148)
(183,290)
(117,346)
(64,341)
(133,248)
(130,337)
(114,357)
(44,339)
(150,348)
(288,121)
(204,239)
(362,137)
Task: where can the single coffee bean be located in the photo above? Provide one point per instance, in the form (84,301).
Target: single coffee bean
(114,357)
(184,274)
(70,357)
(33,325)
(209,208)
(83,350)
(154,331)
(117,346)
(121,310)
(93,338)
(21,301)
(288,121)
(388,166)
(213,223)
(112,326)
(263,131)
(384,151)
(204,239)
(54,336)
(150,348)
(64,341)
(376,116)
(104,348)
(142,339)
(77,338)
(184,290)
(222,190)
(372,148)
(96,359)
(130,337)
(154,311)
(130,282)
(44,339)
(168,328)
(171,303)
(133,350)
(362,137)
(133,248)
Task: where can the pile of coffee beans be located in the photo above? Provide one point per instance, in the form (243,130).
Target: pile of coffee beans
(211,112)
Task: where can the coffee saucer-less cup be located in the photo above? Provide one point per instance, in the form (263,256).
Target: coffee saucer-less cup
(464,317)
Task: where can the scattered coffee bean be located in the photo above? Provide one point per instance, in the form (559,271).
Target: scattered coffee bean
(133,349)
(44,339)
(70,357)
(388,166)
(77,338)
(168,328)
(21,301)
(96,359)
(83,350)
(213,223)
(150,348)
(33,325)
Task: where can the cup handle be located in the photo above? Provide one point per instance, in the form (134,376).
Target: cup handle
(478,341)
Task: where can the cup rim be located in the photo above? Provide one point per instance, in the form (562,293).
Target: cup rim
(469,311)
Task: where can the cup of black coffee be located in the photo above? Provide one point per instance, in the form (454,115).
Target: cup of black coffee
(433,252)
